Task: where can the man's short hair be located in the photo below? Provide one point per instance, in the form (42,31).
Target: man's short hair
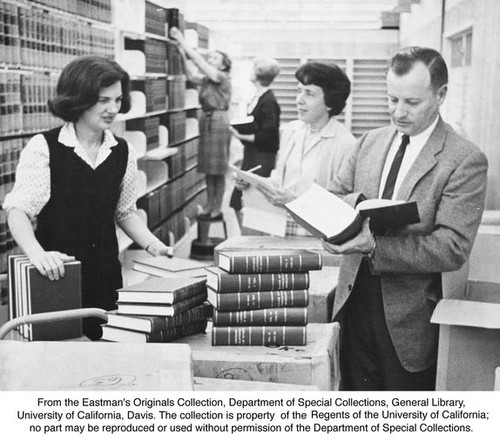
(266,70)
(403,61)
(79,85)
(331,78)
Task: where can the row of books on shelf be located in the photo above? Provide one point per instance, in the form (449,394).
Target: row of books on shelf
(163,201)
(95,9)
(160,20)
(202,32)
(176,91)
(185,159)
(10,149)
(176,223)
(32,37)
(23,102)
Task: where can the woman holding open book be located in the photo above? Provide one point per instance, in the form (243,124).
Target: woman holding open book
(262,142)
(312,148)
(212,76)
(78,180)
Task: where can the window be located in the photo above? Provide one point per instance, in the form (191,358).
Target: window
(461,49)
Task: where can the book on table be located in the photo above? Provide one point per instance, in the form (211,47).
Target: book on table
(328,216)
(240,301)
(221,281)
(160,308)
(163,266)
(32,293)
(293,316)
(166,290)
(147,323)
(259,335)
(269,261)
(112,333)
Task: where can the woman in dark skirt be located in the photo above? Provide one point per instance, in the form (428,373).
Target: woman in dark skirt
(212,75)
(261,146)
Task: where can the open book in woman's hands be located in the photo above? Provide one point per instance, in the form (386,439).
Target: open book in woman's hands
(326,215)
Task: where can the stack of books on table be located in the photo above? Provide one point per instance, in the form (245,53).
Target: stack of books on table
(159,310)
(260,297)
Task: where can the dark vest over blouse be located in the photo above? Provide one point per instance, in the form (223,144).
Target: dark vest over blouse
(78,219)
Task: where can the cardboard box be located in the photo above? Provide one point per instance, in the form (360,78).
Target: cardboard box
(84,366)
(323,282)
(469,319)
(315,364)
(220,384)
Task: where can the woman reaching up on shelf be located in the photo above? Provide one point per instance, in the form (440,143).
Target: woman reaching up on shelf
(212,77)
(78,180)
(314,147)
(260,146)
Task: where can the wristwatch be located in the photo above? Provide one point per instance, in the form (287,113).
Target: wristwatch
(371,254)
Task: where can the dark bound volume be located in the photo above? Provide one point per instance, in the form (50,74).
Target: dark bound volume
(259,335)
(244,301)
(244,126)
(327,216)
(145,323)
(162,290)
(221,281)
(111,333)
(270,316)
(161,309)
(32,293)
(269,261)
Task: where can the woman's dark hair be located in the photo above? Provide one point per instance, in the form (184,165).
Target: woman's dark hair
(226,61)
(331,78)
(404,60)
(79,85)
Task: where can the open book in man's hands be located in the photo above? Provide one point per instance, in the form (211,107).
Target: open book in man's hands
(326,215)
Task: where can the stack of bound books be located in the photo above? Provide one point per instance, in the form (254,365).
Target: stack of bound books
(261,296)
(159,310)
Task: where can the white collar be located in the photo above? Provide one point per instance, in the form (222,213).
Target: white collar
(67,137)
(422,137)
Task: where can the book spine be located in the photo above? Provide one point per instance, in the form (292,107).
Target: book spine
(239,301)
(190,316)
(259,335)
(170,334)
(274,264)
(188,291)
(270,316)
(262,282)
(189,303)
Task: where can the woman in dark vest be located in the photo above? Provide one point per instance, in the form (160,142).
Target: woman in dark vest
(78,180)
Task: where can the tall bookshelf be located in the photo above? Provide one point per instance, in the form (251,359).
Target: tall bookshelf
(38,38)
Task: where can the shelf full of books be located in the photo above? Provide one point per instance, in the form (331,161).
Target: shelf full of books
(38,38)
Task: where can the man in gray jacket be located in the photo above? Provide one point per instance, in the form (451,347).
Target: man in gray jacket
(390,280)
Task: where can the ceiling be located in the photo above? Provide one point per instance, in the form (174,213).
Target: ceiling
(229,15)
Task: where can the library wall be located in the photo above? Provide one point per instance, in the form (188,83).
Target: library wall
(39,38)
(470,45)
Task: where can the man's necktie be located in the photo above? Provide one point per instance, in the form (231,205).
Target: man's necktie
(396,165)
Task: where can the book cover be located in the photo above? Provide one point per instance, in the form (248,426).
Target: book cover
(163,266)
(146,323)
(259,335)
(32,293)
(160,309)
(111,333)
(326,215)
(269,261)
(245,126)
(244,301)
(221,281)
(162,290)
(268,316)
